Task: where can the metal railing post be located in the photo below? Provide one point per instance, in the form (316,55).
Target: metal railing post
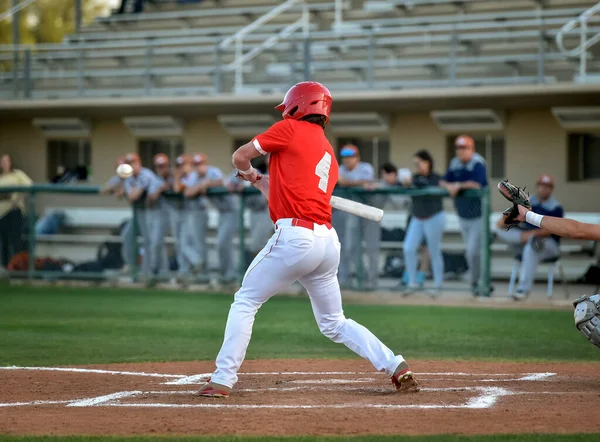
(80,69)
(485,273)
(148,69)
(541,57)
(583,53)
(371,60)
(27,74)
(239,80)
(78,16)
(15,41)
(339,4)
(31,235)
(135,246)
(307,58)
(217,74)
(453,50)
(242,262)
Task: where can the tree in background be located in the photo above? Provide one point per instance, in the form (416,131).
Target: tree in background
(48,21)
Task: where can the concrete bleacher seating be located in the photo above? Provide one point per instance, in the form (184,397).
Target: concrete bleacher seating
(87,228)
(172,49)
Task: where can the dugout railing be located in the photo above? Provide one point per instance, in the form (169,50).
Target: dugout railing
(90,229)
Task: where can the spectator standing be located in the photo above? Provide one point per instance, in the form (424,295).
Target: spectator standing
(12,222)
(533,243)
(192,219)
(170,206)
(137,188)
(356,173)
(468,171)
(427,222)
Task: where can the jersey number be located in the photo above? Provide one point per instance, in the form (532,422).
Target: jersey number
(322,171)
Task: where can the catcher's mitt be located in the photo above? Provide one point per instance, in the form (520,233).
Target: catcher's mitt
(587,317)
(518,197)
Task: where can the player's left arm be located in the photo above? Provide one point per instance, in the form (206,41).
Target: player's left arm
(566,227)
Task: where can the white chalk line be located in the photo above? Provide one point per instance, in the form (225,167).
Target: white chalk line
(91,370)
(488,397)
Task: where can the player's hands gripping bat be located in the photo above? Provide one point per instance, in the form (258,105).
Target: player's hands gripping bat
(517,196)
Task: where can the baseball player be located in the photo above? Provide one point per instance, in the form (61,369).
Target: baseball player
(587,308)
(170,207)
(206,177)
(303,172)
(192,213)
(115,186)
(228,207)
(137,188)
(356,173)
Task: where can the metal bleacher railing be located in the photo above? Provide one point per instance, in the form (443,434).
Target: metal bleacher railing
(73,251)
(286,44)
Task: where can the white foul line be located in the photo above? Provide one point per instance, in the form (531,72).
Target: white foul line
(100,400)
(92,370)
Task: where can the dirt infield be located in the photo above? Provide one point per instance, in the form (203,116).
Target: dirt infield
(301,397)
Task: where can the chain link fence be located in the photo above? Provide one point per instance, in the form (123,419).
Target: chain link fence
(60,232)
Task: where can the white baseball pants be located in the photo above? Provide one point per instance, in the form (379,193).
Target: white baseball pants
(311,257)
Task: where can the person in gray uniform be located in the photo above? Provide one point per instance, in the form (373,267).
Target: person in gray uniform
(262,227)
(137,188)
(468,171)
(115,187)
(170,206)
(207,177)
(356,173)
(189,237)
(228,207)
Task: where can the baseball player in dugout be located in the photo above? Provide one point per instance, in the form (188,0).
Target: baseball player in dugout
(138,186)
(192,215)
(303,172)
(352,229)
(228,208)
(206,177)
(169,206)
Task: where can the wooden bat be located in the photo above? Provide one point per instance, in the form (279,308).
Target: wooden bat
(345,205)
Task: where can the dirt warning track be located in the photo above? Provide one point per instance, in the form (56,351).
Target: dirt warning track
(301,397)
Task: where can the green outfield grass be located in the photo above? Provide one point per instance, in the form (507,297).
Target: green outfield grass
(58,325)
(440,438)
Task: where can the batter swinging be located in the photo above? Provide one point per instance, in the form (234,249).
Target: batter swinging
(303,172)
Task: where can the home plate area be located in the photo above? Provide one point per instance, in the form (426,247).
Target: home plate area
(268,394)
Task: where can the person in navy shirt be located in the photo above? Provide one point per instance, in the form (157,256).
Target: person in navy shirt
(534,244)
(468,171)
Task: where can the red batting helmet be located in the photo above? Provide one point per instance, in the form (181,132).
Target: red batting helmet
(306,98)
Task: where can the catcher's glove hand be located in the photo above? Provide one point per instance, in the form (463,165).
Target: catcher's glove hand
(518,197)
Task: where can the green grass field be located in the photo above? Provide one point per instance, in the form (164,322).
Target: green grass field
(58,325)
(63,326)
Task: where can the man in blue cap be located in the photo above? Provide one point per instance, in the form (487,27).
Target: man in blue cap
(352,229)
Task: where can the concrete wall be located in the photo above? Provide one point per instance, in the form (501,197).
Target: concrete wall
(535,144)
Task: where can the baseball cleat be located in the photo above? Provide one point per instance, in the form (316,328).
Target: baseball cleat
(214,390)
(404,379)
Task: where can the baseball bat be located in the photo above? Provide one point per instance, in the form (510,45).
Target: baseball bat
(345,205)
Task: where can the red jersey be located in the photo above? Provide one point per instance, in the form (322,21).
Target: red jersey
(303,170)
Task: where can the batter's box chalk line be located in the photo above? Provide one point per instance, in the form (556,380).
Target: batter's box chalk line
(485,396)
